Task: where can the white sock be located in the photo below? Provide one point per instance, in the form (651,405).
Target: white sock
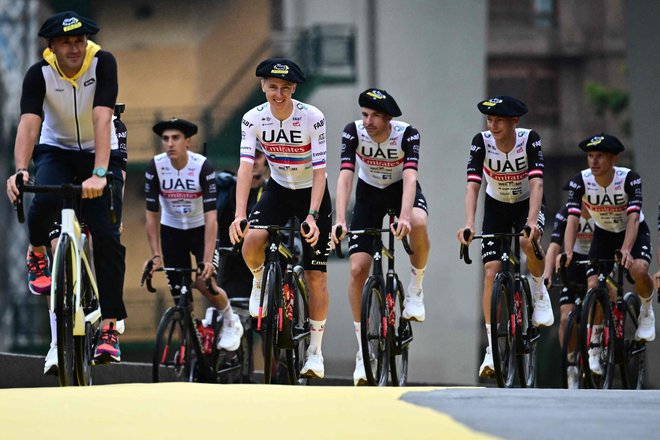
(316,335)
(53,327)
(258,275)
(358,335)
(488,334)
(646,302)
(596,330)
(537,282)
(227,313)
(416,279)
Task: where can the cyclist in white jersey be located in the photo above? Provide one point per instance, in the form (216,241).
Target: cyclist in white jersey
(66,129)
(386,154)
(613,197)
(292,135)
(182,184)
(512,160)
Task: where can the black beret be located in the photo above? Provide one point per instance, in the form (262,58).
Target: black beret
(186,127)
(379,100)
(67,23)
(502,106)
(605,143)
(282,68)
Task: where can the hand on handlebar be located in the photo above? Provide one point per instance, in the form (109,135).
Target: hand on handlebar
(463,237)
(237,230)
(12,189)
(341,227)
(626,259)
(311,236)
(207,270)
(402,228)
(93,187)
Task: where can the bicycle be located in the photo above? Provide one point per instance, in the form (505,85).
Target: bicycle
(74,294)
(185,349)
(618,317)
(513,337)
(287,322)
(385,336)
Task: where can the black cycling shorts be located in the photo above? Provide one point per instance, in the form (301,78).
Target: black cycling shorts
(576,281)
(605,243)
(371,205)
(177,245)
(278,204)
(501,217)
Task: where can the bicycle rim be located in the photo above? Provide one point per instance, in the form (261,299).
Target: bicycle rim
(372,334)
(64,310)
(527,337)
(570,344)
(271,353)
(502,342)
(634,372)
(86,344)
(596,311)
(172,356)
(400,338)
(300,328)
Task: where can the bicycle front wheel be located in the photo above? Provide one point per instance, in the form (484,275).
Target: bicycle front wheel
(64,310)
(86,344)
(171,362)
(633,370)
(502,324)
(597,339)
(571,354)
(526,336)
(300,328)
(400,338)
(272,290)
(373,328)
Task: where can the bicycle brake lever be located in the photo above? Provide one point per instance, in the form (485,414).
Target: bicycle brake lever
(464,253)
(338,232)
(18,204)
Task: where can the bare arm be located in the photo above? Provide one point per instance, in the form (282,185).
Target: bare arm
(572,225)
(535,199)
(318,189)
(550,257)
(26,137)
(407,200)
(632,227)
(153,238)
(344,188)
(101,120)
(243,181)
(210,234)
(471,198)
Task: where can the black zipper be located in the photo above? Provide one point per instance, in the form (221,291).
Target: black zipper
(75,114)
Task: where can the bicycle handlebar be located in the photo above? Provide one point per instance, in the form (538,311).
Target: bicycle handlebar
(66,190)
(464,253)
(372,232)
(146,275)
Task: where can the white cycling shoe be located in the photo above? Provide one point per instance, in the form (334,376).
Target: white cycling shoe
(646,329)
(487,368)
(542,316)
(50,366)
(359,375)
(230,334)
(313,368)
(255,297)
(413,306)
(594,361)
(572,379)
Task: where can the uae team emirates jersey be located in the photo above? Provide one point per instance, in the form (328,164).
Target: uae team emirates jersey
(507,174)
(294,147)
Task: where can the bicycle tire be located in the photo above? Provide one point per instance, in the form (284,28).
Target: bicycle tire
(502,328)
(597,300)
(571,338)
(85,345)
(271,289)
(372,333)
(172,354)
(300,327)
(526,337)
(64,310)
(400,336)
(634,368)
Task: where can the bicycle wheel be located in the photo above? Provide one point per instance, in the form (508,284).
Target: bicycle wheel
(502,326)
(271,288)
(598,340)
(172,356)
(526,336)
(570,344)
(295,358)
(86,344)
(64,310)
(633,371)
(373,328)
(400,337)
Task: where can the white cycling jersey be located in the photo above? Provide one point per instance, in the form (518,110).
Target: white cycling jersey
(293,147)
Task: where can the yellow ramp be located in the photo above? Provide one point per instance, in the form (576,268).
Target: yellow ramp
(183,410)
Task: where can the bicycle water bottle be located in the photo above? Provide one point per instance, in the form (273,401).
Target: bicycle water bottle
(206,331)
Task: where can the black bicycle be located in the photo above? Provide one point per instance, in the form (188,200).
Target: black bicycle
(607,329)
(186,350)
(385,335)
(513,337)
(286,324)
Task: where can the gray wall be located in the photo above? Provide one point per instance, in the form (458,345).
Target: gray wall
(644,66)
(430,56)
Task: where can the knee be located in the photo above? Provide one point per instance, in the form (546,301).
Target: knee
(359,271)
(639,270)
(489,274)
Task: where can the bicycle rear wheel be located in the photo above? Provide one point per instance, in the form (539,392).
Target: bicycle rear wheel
(597,312)
(172,356)
(86,344)
(399,338)
(373,328)
(295,358)
(526,337)
(64,310)
(633,370)
(570,344)
(272,290)
(502,331)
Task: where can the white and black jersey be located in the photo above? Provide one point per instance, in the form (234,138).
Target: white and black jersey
(185,194)
(585,232)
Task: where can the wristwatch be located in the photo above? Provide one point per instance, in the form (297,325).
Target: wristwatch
(314,214)
(101,172)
